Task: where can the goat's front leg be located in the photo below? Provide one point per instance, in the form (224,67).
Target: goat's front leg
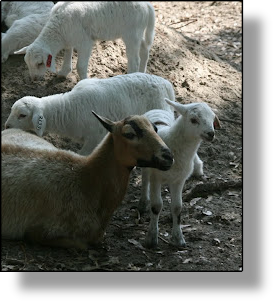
(156,207)
(67,63)
(132,51)
(176,207)
(144,199)
(198,167)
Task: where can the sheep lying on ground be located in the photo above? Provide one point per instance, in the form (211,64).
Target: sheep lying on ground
(19,137)
(67,200)
(196,123)
(79,25)
(25,21)
(68,114)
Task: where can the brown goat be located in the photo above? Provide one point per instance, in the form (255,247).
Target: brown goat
(58,198)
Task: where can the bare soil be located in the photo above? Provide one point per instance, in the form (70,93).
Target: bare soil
(198,47)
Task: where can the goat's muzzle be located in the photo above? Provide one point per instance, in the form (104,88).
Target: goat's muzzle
(163,163)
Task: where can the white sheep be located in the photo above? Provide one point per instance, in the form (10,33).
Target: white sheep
(79,25)
(25,21)
(20,137)
(183,136)
(58,198)
(68,114)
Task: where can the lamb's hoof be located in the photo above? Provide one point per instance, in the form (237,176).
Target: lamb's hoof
(151,242)
(178,243)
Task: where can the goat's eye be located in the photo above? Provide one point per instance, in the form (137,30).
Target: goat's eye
(129,136)
(40,64)
(194,121)
(21,116)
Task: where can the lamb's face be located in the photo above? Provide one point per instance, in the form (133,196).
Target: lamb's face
(21,114)
(201,121)
(36,62)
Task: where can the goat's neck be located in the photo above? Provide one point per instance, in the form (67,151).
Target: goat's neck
(108,179)
(184,144)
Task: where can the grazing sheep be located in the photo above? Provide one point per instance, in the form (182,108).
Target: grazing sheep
(183,136)
(19,137)
(79,25)
(25,21)
(68,114)
(67,200)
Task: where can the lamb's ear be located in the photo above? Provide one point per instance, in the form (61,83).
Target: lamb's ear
(216,123)
(49,62)
(177,106)
(107,124)
(21,51)
(39,122)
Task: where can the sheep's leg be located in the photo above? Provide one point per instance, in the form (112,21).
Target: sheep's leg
(84,53)
(198,167)
(156,207)
(132,52)
(144,56)
(144,199)
(176,207)
(67,63)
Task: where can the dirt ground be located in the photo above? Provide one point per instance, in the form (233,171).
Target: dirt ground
(198,47)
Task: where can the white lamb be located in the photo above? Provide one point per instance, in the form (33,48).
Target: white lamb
(79,25)
(183,136)
(25,21)
(69,114)
(19,137)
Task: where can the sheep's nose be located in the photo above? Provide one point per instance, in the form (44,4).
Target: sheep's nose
(211,135)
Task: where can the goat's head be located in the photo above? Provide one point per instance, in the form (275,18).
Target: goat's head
(38,60)
(200,120)
(27,114)
(136,143)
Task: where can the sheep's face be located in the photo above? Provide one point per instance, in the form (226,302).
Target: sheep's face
(38,60)
(24,115)
(199,119)
(136,143)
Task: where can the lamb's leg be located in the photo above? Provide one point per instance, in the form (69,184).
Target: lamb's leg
(67,63)
(144,199)
(144,56)
(156,207)
(84,52)
(198,167)
(176,207)
(132,52)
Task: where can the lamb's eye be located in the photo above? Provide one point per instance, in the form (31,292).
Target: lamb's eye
(194,121)
(129,136)
(21,116)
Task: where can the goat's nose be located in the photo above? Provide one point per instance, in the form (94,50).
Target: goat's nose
(167,155)
(7,126)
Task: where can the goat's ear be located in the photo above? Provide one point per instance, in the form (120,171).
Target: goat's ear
(21,51)
(216,123)
(107,124)
(39,122)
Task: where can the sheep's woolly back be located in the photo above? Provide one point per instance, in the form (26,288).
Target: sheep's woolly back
(70,115)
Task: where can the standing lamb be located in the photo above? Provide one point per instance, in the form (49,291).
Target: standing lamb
(25,21)
(67,199)
(183,136)
(79,25)
(69,114)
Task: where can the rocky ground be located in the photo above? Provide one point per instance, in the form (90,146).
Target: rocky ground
(198,48)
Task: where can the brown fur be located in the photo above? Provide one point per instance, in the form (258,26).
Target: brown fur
(59,198)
